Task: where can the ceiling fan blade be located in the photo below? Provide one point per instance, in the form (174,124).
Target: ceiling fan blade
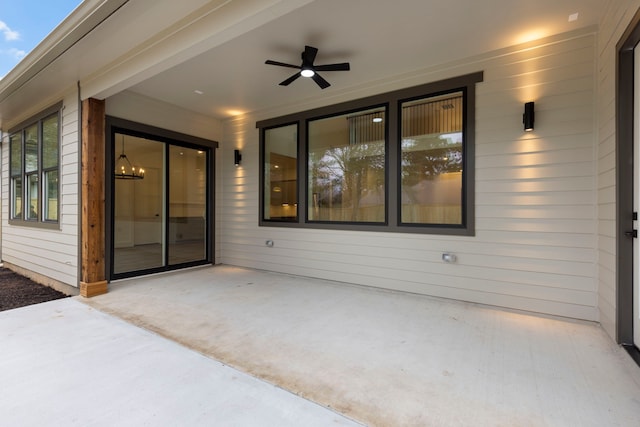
(309,55)
(320,81)
(343,66)
(289,80)
(280,64)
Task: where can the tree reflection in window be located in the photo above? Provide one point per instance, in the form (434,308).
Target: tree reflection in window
(347,168)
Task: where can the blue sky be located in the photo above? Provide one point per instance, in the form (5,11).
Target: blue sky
(25,23)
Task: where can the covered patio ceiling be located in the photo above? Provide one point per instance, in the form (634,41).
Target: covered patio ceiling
(382,40)
(218,48)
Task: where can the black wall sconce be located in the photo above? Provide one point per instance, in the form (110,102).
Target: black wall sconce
(237,157)
(529,116)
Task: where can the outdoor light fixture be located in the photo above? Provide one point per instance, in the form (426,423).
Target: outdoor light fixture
(124,169)
(528,116)
(237,157)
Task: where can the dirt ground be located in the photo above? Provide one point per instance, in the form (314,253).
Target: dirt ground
(19,291)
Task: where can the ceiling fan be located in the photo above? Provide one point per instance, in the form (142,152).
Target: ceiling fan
(307,69)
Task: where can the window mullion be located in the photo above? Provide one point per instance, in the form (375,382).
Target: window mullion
(39,216)
(303,175)
(393,194)
(23,174)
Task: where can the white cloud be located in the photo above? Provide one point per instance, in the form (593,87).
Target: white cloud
(17,53)
(14,53)
(9,34)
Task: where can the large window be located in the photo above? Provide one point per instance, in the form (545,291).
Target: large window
(400,162)
(346,167)
(431,160)
(281,173)
(34,170)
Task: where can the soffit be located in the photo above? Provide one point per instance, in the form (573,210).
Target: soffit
(380,39)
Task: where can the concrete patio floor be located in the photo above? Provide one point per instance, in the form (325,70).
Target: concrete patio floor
(286,350)
(63,363)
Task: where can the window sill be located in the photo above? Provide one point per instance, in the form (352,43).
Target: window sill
(35,224)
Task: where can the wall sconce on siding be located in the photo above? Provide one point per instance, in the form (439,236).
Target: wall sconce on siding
(237,157)
(528,117)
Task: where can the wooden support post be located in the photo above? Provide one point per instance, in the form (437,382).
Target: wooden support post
(93,199)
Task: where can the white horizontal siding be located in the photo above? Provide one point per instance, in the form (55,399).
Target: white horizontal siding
(50,253)
(615,19)
(534,247)
(141,109)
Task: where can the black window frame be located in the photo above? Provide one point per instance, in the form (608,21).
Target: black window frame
(393,100)
(299,172)
(385,107)
(465,145)
(37,120)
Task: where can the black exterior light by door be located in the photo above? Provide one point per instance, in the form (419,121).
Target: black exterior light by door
(528,117)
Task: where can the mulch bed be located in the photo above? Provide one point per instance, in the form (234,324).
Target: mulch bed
(19,291)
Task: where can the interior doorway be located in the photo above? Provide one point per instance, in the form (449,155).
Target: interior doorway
(628,189)
(160,215)
(636,199)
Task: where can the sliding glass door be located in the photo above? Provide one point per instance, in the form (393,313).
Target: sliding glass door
(160,205)
(187,205)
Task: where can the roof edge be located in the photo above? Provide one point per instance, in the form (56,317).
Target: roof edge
(80,22)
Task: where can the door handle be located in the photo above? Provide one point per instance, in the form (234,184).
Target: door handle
(632,233)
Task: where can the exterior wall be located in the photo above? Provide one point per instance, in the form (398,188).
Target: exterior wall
(615,19)
(535,241)
(42,253)
(52,256)
(138,108)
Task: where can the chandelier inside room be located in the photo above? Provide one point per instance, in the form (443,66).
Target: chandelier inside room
(124,169)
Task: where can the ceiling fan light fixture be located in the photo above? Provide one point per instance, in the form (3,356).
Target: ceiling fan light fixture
(309,69)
